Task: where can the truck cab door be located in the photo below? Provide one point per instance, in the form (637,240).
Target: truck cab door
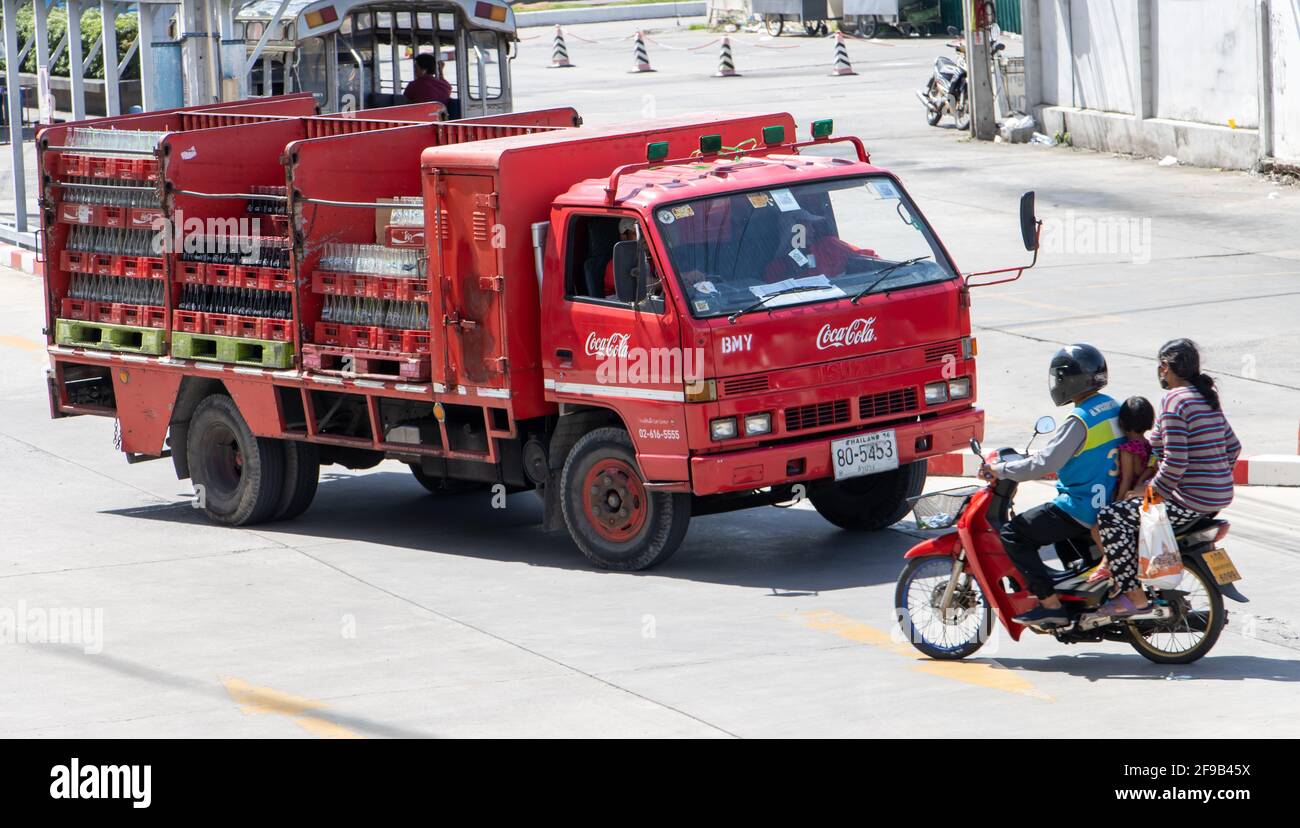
(466,299)
(598,348)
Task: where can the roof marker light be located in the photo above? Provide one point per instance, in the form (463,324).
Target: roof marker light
(774,135)
(656,151)
(822,129)
(710,144)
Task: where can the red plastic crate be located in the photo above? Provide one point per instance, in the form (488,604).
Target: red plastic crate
(403,236)
(406,342)
(70,213)
(221,324)
(76,309)
(136,169)
(365,337)
(275,278)
(113,216)
(142,218)
(73,166)
(145,316)
(280,330)
(219,274)
(187,321)
(330,333)
(194,273)
(144,267)
(73,261)
(105,265)
(100,167)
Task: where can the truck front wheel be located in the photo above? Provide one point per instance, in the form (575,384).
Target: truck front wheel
(613,518)
(238,478)
(875,501)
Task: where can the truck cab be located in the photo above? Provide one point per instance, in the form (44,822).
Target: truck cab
(764,326)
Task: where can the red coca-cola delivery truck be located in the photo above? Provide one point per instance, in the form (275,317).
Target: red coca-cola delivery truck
(642,323)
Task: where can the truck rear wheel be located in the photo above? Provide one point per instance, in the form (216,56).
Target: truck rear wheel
(238,477)
(613,518)
(862,504)
(301,477)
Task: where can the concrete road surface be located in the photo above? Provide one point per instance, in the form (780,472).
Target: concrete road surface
(386,612)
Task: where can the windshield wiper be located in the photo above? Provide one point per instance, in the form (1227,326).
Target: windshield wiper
(882,273)
(793,289)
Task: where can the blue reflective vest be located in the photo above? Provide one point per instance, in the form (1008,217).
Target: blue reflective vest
(1087,481)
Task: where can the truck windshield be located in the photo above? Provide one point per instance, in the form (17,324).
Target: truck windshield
(812,242)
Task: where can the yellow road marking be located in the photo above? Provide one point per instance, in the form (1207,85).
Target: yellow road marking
(253,700)
(986,673)
(22,343)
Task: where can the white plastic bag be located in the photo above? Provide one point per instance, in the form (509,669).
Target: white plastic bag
(1160,564)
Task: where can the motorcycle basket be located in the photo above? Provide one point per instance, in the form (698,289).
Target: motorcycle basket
(940,510)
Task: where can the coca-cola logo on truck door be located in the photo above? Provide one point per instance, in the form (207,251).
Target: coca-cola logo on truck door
(858,332)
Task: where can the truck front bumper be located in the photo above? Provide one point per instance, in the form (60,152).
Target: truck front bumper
(811,459)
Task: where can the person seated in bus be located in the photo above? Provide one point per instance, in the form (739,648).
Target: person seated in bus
(428,86)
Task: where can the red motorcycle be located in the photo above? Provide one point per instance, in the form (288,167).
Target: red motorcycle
(954,583)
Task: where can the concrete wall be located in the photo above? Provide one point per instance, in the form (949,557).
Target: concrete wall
(1196,79)
(1206,61)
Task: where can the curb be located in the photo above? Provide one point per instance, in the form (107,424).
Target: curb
(20,258)
(1260,470)
(608,14)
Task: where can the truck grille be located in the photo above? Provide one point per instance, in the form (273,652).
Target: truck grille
(937,353)
(816,415)
(745,385)
(898,401)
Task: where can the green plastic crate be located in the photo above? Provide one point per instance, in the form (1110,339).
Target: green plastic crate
(259,353)
(105,337)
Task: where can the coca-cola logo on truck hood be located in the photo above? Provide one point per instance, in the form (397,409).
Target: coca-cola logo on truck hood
(858,332)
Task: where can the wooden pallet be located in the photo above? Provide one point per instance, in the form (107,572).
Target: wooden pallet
(361,363)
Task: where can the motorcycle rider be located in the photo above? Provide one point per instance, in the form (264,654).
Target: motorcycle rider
(1083,455)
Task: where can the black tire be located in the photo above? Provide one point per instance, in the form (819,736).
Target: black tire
(865,504)
(967,648)
(241,476)
(640,528)
(1218,618)
(301,477)
(963,112)
(443,486)
(932,116)
(868,28)
(775,24)
(849,26)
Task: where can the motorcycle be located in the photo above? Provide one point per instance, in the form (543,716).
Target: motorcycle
(952,585)
(946,91)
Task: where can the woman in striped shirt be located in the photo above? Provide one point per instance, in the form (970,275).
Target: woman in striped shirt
(1196,449)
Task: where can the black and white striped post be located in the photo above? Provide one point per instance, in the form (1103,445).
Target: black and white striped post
(726,66)
(559,52)
(640,57)
(842,65)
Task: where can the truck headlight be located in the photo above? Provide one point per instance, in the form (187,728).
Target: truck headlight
(756,424)
(723,428)
(936,392)
(959,389)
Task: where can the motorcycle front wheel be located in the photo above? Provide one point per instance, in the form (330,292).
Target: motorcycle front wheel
(932,113)
(1198,620)
(954,632)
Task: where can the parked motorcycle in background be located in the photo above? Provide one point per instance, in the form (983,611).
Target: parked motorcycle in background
(946,93)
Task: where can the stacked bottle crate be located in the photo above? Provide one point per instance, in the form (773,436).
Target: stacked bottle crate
(106,207)
(233,295)
(374,318)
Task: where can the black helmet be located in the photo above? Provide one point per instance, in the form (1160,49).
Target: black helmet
(1076,370)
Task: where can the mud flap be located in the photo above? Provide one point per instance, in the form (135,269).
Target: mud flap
(552,516)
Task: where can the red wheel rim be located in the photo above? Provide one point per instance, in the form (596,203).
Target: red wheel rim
(614,499)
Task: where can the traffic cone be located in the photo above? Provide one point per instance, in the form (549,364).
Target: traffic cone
(842,65)
(559,52)
(640,58)
(726,66)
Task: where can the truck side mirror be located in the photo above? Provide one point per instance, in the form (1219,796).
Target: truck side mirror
(1028,221)
(628,286)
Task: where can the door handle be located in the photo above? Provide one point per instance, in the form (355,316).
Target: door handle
(564,355)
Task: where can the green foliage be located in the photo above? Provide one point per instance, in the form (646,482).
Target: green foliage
(128,27)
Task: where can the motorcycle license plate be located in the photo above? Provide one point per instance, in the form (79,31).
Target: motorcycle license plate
(1221,566)
(864,454)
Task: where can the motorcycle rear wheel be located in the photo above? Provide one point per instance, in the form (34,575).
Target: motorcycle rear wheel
(1193,632)
(920,585)
(963,113)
